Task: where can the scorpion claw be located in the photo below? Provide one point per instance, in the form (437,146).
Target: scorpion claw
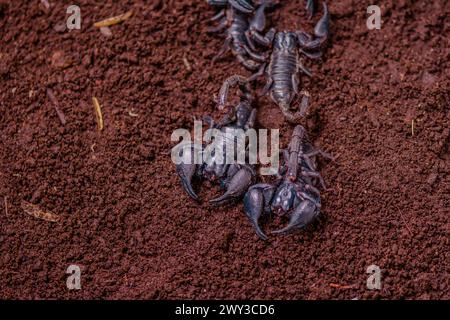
(186,172)
(258,23)
(244,6)
(187,168)
(322,27)
(302,216)
(253,206)
(236,187)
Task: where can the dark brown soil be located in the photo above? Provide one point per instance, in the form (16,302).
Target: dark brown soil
(124,217)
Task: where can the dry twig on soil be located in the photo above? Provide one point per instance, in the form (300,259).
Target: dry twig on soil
(339,286)
(114,20)
(6,205)
(187,64)
(98,113)
(54,101)
(35,211)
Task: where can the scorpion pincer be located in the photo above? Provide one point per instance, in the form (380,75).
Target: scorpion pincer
(285,64)
(295,193)
(236,19)
(234,177)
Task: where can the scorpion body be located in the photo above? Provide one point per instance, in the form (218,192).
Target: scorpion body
(236,22)
(234,177)
(295,193)
(285,64)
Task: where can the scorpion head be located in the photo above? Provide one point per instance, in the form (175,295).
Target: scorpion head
(286,40)
(284,198)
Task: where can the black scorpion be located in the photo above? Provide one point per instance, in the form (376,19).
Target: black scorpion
(234,178)
(285,63)
(236,20)
(295,193)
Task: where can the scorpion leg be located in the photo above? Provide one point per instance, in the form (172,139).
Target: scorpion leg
(221,26)
(285,165)
(254,55)
(237,186)
(322,153)
(305,213)
(267,87)
(248,63)
(251,120)
(312,55)
(295,83)
(301,67)
(304,104)
(217,16)
(223,50)
(258,73)
(291,116)
(313,189)
(227,119)
(231,82)
(217,2)
(295,117)
(314,174)
(264,40)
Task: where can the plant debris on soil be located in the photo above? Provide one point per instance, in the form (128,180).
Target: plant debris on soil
(127,220)
(35,211)
(98,113)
